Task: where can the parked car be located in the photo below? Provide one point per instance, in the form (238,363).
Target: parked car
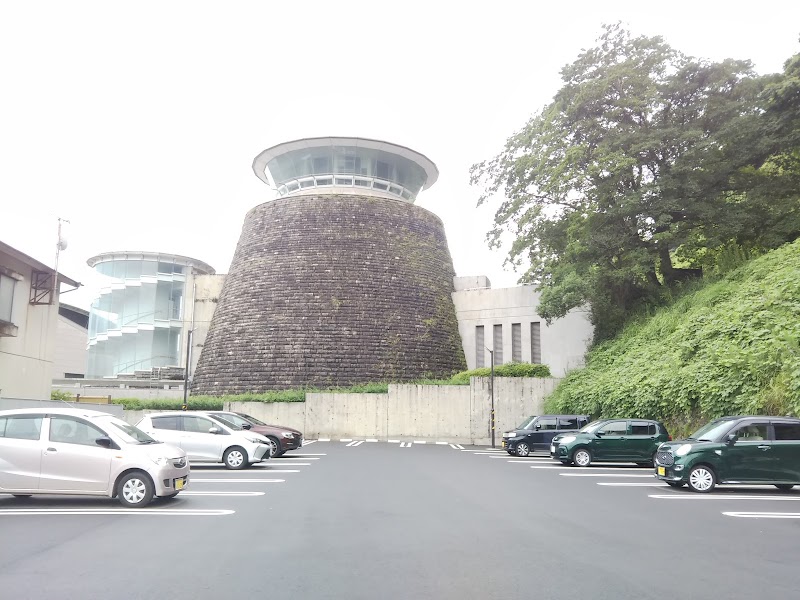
(536,433)
(634,440)
(744,449)
(85,452)
(207,440)
(281,439)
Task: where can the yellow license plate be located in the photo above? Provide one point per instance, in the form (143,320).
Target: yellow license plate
(502,444)
(179,484)
(662,471)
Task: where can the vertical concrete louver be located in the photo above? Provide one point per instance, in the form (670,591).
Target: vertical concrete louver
(334,286)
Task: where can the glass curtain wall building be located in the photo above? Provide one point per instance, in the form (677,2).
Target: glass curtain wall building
(138,320)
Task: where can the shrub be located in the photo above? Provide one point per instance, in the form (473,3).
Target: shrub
(506,370)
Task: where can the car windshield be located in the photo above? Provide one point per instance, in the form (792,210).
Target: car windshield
(712,431)
(591,426)
(228,420)
(253,420)
(527,422)
(129,433)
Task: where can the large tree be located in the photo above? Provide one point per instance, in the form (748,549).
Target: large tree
(629,162)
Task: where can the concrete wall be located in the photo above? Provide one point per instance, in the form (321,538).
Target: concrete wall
(26,358)
(70,354)
(457,414)
(117,391)
(206,290)
(15,403)
(563,343)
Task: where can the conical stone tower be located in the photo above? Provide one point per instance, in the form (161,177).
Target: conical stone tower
(340,280)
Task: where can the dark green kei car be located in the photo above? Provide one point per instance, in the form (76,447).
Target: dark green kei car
(611,440)
(750,449)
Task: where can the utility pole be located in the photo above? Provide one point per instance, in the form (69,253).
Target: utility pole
(491,390)
(61,244)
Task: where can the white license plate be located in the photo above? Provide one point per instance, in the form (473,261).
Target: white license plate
(552,448)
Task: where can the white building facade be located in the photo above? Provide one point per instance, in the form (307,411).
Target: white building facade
(503,322)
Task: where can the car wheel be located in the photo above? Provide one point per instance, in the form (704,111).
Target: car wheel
(235,458)
(523,449)
(675,484)
(582,457)
(784,487)
(702,479)
(135,490)
(274,447)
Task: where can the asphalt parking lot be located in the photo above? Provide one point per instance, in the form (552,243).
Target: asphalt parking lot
(343,519)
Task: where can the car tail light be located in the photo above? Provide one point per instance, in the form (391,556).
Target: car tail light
(669,438)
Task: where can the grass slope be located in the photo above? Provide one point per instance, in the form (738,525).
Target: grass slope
(729,348)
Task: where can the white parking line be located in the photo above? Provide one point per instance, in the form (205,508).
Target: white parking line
(306,456)
(527,461)
(226,494)
(286,464)
(307,442)
(458,446)
(562,467)
(627,484)
(405,444)
(420,442)
(604,475)
(346,440)
(193,480)
(353,444)
(441,443)
(394,441)
(145,512)
(685,496)
(324,440)
(372,440)
(762,515)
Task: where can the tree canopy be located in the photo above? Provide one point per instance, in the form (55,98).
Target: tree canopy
(646,166)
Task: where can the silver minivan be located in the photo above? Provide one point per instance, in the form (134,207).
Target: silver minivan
(85,452)
(207,440)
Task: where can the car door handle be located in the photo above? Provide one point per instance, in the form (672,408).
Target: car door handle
(764,447)
(52,450)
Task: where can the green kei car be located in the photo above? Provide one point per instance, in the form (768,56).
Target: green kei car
(751,449)
(625,440)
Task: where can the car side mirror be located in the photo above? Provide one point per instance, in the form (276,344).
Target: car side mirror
(598,433)
(105,442)
(731,439)
(246,426)
(215,430)
(537,426)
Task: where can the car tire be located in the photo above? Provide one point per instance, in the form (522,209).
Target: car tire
(702,479)
(582,457)
(274,447)
(523,449)
(135,489)
(235,458)
(784,487)
(675,484)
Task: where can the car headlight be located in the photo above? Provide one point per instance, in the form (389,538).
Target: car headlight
(161,461)
(287,434)
(683,450)
(567,439)
(509,434)
(255,441)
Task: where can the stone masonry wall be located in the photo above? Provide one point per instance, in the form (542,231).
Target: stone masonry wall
(333,290)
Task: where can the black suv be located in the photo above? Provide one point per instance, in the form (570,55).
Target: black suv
(536,433)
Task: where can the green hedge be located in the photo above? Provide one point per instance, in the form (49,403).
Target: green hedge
(506,370)
(729,348)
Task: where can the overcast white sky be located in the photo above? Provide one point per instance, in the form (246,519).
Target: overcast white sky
(139,122)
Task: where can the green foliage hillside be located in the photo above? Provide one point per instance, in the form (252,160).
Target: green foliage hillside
(729,348)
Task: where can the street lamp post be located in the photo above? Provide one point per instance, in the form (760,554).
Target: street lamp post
(491,391)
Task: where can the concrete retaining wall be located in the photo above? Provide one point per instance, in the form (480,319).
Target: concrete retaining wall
(458,414)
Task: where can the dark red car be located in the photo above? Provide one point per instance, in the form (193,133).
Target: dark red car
(280,438)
